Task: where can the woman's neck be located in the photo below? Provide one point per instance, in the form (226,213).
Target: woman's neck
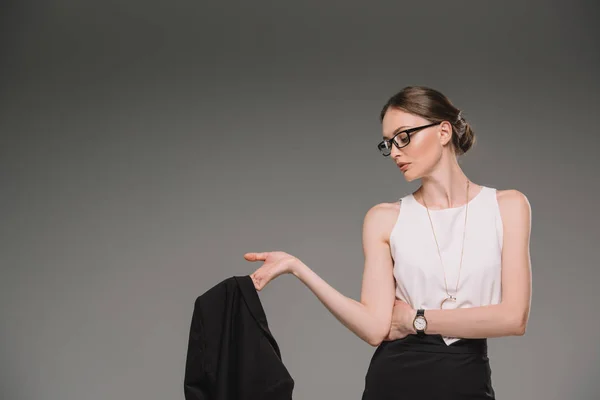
(446,188)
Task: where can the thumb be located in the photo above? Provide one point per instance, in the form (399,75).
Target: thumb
(256,256)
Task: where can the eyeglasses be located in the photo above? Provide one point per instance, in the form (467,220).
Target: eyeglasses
(400,139)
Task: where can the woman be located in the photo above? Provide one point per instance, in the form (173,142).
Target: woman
(446,267)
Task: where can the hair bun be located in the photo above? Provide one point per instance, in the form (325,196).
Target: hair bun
(467,139)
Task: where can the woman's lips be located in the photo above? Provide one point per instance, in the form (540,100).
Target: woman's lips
(403,167)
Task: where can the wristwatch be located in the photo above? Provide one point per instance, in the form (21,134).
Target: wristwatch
(420,322)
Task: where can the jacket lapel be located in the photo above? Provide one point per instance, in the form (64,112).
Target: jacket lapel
(252,300)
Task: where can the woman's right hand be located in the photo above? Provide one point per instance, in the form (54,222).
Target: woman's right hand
(275,263)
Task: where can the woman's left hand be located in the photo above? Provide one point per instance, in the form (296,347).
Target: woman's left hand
(275,263)
(402,318)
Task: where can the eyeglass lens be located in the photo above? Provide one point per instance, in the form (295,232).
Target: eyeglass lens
(401,139)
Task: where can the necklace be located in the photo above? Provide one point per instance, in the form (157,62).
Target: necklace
(449,296)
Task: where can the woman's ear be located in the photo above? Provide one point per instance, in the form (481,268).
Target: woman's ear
(445,132)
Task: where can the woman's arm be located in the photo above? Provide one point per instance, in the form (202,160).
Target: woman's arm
(511,315)
(369,319)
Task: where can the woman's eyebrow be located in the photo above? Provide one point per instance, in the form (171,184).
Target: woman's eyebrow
(396,131)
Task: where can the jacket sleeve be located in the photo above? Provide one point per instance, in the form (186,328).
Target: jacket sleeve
(196,385)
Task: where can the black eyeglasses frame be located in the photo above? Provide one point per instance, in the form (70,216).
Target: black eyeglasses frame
(408,132)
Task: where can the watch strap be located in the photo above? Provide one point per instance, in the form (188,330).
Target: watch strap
(421,313)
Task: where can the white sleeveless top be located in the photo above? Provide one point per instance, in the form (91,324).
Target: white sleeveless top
(417,269)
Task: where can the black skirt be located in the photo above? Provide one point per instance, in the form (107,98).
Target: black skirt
(425,368)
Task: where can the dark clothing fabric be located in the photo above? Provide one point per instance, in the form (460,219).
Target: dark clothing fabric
(231,353)
(428,369)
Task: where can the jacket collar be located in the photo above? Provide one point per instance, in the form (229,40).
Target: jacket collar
(252,300)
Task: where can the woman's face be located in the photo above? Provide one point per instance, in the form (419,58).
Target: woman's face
(425,148)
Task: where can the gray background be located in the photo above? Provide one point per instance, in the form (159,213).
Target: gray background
(146,146)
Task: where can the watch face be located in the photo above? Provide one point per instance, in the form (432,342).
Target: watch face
(420,323)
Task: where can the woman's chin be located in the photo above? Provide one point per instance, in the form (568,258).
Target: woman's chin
(409,176)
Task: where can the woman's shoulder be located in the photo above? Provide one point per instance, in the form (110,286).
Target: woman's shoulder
(512,202)
(386,208)
(510,196)
(381,218)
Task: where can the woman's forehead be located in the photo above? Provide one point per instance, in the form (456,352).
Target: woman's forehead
(396,120)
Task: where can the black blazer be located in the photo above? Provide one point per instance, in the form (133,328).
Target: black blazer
(231,353)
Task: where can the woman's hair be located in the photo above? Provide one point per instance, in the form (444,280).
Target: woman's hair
(434,106)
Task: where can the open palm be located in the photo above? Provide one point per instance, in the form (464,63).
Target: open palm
(275,263)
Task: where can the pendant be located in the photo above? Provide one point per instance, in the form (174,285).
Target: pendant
(449,298)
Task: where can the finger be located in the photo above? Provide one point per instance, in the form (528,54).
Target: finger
(256,282)
(260,284)
(256,256)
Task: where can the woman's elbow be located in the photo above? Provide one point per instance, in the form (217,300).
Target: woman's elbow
(375,341)
(379,336)
(519,325)
(520,328)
